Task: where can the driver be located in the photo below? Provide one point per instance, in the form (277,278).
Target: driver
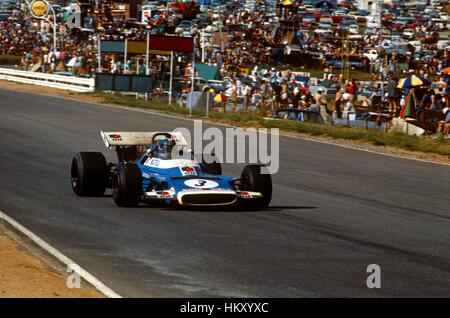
(164,149)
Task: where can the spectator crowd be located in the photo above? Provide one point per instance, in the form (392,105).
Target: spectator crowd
(247,42)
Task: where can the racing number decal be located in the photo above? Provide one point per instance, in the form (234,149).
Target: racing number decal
(201,183)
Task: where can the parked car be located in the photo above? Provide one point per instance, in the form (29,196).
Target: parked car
(353,29)
(409,34)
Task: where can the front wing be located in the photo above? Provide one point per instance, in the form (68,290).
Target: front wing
(202,197)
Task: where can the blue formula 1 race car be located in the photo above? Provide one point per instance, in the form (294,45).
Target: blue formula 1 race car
(147,170)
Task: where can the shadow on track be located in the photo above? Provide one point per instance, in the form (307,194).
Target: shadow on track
(284,207)
(231,209)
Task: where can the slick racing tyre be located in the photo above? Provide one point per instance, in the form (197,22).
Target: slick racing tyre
(127,185)
(89,174)
(253,180)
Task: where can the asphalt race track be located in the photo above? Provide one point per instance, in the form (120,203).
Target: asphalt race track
(334,211)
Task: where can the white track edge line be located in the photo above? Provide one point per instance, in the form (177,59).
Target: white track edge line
(61,257)
(227,125)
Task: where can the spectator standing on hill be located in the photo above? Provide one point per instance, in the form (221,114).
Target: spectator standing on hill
(353,89)
(444,125)
(426,102)
(318,98)
(344,85)
(392,95)
(309,99)
(284,94)
(264,90)
(277,94)
(296,97)
(234,93)
(337,104)
(349,108)
(246,90)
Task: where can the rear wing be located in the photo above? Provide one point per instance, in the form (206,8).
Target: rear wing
(112,139)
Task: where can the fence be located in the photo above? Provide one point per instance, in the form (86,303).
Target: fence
(124,82)
(71,83)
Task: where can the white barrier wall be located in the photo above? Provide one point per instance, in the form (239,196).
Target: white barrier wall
(71,83)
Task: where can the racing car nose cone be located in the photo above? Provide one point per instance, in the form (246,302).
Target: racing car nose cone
(207,198)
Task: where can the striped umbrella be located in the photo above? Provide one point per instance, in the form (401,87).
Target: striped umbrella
(409,110)
(219,98)
(413,81)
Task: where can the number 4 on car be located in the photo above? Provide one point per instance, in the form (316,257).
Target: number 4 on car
(159,167)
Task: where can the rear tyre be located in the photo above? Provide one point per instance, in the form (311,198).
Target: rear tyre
(127,185)
(254,180)
(89,174)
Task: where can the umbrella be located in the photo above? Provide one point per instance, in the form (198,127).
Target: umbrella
(220,98)
(409,110)
(286,3)
(445,70)
(412,81)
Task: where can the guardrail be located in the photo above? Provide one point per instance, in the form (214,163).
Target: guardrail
(71,83)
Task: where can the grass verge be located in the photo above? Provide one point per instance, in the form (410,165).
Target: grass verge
(398,140)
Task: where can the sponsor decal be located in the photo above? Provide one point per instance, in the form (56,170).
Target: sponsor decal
(164,195)
(39,9)
(115,137)
(154,162)
(215,190)
(188,171)
(201,183)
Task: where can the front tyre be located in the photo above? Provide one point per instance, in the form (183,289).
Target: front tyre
(127,185)
(253,180)
(89,174)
